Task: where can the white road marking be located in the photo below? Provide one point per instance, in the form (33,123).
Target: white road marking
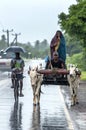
(69,120)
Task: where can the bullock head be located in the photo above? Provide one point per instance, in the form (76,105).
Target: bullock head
(33,75)
(32,69)
(74,71)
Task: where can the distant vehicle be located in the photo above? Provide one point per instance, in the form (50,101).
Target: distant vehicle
(5,65)
(5,60)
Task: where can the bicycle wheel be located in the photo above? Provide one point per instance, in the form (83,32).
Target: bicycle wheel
(16,88)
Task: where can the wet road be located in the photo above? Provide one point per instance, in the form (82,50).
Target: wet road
(51,114)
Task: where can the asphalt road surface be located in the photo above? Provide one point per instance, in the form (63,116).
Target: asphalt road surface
(51,114)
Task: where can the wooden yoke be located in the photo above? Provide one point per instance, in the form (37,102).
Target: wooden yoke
(53,71)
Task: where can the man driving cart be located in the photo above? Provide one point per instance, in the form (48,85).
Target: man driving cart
(56,62)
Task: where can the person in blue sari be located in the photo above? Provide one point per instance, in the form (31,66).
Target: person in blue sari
(58,44)
(47,61)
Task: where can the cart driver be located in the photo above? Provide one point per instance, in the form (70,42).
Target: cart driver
(17,63)
(56,62)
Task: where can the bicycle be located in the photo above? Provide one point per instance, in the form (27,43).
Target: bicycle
(18,76)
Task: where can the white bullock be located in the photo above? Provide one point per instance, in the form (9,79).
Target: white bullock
(36,80)
(74,80)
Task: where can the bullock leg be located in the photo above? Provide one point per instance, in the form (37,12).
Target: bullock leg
(77,102)
(72,100)
(76,98)
(34,97)
(39,96)
(72,96)
(38,90)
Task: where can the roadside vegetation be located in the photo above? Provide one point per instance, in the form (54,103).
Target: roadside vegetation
(77,60)
(83,75)
(74,24)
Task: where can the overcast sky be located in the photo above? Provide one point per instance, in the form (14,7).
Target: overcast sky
(34,19)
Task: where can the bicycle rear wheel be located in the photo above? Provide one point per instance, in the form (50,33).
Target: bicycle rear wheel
(16,92)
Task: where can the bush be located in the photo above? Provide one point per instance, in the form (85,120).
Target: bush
(83,75)
(77,59)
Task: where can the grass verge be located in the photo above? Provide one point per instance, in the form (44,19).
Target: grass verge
(83,75)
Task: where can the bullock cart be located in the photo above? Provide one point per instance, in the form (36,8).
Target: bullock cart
(54,76)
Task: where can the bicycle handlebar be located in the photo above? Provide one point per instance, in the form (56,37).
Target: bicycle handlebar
(17,70)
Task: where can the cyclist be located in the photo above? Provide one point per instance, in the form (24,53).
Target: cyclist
(17,64)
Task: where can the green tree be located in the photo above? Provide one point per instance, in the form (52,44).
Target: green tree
(73,46)
(74,23)
(44,44)
(37,45)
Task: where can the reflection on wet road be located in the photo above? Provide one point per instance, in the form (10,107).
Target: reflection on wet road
(36,124)
(49,115)
(16,117)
